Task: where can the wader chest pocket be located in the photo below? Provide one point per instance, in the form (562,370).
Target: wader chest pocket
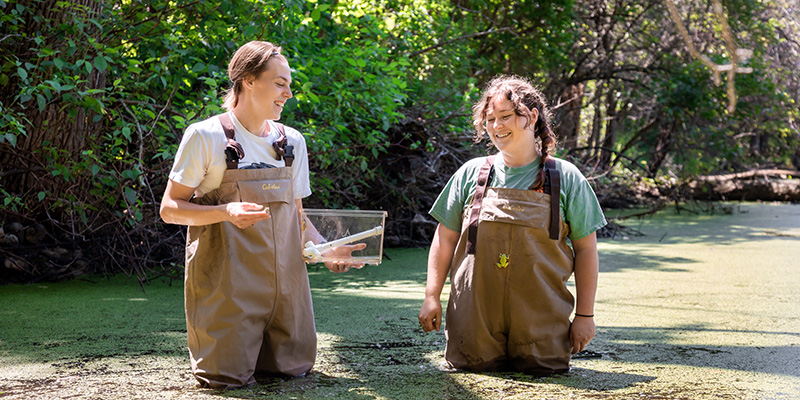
(515,212)
(266,191)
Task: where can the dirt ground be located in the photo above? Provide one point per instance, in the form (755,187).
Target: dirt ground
(700,307)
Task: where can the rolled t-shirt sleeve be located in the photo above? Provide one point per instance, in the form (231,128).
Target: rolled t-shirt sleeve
(449,207)
(300,171)
(190,166)
(583,211)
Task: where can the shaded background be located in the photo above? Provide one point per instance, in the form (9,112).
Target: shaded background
(95,95)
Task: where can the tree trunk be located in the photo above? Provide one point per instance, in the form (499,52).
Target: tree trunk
(766,185)
(611,129)
(53,124)
(597,122)
(569,116)
(662,148)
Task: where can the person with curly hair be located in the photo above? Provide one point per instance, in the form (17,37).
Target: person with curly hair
(504,226)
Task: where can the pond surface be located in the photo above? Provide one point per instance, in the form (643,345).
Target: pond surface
(699,307)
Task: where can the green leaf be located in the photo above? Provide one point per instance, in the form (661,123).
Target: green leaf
(100,63)
(59,63)
(22,73)
(55,85)
(41,102)
(41,195)
(199,67)
(130,194)
(351,61)
(94,21)
(11,139)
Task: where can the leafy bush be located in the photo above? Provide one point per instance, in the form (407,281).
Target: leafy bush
(95,101)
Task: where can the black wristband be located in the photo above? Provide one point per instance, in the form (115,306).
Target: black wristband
(584,315)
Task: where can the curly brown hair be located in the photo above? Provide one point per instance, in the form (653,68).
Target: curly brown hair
(519,91)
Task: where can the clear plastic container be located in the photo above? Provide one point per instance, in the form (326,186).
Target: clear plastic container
(342,231)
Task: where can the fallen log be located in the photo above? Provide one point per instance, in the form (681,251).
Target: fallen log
(763,184)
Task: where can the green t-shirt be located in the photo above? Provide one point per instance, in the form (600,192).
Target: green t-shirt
(579,206)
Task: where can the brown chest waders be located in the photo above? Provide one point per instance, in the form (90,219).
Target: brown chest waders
(248,302)
(509,305)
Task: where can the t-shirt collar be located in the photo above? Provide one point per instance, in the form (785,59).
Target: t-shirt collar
(241,128)
(498,164)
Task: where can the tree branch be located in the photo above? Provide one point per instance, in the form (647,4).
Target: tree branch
(470,36)
(736,54)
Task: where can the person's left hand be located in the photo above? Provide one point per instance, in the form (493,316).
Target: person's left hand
(581,333)
(343,252)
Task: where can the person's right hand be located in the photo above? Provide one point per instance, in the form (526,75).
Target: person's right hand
(244,215)
(430,316)
(345,251)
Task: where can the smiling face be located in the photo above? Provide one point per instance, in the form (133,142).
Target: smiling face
(267,93)
(512,134)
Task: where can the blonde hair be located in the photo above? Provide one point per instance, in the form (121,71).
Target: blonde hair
(519,91)
(250,60)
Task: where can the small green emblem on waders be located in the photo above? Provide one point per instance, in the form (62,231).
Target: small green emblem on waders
(503,261)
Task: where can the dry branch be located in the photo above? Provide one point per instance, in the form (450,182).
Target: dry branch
(736,54)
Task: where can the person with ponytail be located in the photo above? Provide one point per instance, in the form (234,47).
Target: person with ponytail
(504,225)
(238,181)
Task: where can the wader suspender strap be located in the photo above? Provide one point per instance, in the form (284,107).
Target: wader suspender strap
(554,177)
(284,150)
(477,200)
(233,150)
(552,182)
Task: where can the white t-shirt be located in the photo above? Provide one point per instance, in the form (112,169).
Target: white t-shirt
(200,160)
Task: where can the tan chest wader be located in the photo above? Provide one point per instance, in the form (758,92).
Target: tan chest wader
(248,302)
(509,305)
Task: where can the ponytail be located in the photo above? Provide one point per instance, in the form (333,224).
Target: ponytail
(250,60)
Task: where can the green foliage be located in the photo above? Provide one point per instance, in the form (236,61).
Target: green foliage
(12,125)
(94,101)
(351,86)
(136,82)
(676,118)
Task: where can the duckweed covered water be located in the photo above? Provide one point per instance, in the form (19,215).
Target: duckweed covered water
(701,307)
